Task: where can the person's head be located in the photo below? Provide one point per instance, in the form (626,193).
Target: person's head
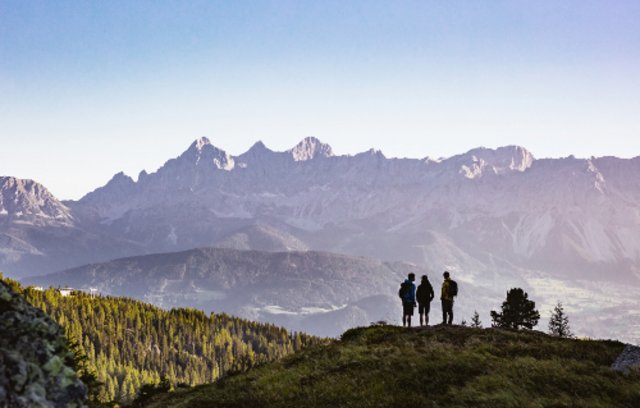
(412,277)
(446,274)
(425,278)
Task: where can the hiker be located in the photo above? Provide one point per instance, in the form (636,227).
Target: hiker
(424,295)
(448,292)
(408,295)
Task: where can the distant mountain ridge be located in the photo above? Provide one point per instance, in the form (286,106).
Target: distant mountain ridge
(562,228)
(551,210)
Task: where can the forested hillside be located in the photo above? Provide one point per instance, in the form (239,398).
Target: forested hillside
(129,343)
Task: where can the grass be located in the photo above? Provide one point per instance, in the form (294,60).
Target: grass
(387,366)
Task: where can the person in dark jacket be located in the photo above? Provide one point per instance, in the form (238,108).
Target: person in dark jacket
(408,296)
(424,296)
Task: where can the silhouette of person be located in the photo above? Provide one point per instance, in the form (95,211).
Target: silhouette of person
(408,296)
(446,296)
(424,295)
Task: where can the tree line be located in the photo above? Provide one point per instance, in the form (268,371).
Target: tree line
(519,312)
(128,343)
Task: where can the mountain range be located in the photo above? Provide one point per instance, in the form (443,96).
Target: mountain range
(565,229)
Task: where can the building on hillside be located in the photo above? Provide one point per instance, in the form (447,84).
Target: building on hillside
(66,291)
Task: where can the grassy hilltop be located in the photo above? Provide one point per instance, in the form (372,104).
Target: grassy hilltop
(385,366)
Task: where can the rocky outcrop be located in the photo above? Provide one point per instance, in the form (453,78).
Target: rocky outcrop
(629,359)
(35,361)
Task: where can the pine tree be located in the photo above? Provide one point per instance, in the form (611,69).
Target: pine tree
(517,311)
(475,320)
(559,322)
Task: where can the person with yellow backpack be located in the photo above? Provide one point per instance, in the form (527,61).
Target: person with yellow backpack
(448,292)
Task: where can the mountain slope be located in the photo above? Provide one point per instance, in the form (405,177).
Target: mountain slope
(388,366)
(262,238)
(286,287)
(40,233)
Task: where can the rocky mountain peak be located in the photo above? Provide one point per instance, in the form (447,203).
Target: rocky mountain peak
(477,162)
(259,145)
(519,158)
(310,148)
(258,154)
(27,199)
(142,175)
(200,143)
(120,179)
(257,149)
(203,152)
(376,153)
(119,188)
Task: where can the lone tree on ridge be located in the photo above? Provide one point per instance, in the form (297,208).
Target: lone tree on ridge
(559,322)
(517,311)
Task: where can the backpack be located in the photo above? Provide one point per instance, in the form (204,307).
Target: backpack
(404,290)
(453,288)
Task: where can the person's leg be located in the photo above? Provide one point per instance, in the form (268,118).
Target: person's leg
(409,313)
(426,314)
(445,312)
(448,306)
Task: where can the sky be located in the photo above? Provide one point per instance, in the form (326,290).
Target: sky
(91,88)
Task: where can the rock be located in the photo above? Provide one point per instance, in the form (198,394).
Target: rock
(36,365)
(629,359)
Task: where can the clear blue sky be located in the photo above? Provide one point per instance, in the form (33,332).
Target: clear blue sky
(89,88)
